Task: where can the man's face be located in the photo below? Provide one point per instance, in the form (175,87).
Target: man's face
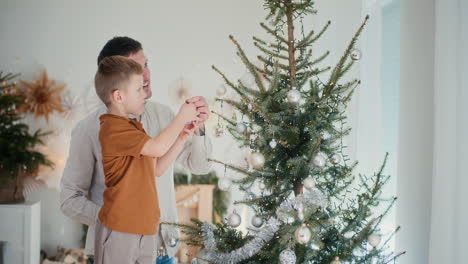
(143,61)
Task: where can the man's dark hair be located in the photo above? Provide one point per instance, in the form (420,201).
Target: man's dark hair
(122,46)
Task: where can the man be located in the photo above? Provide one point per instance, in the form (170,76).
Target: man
(82,183)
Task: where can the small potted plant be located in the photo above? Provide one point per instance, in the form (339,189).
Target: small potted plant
(17,155)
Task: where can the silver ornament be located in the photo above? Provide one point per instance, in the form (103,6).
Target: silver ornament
(250,196)
(319,160)
(257,160)
(241,128)
(221,91)
(261,185)
(303,234)
(294,96)
(224,184)
(314,246)
(253,135)
(219,131)
(249,107)
(336,261)
(374,239)
(257,221)
(335,159)
(287,256)
(173,241)
(161,252)
(355,54)
(311,199)
(273,143)
(309,183)
(234,219)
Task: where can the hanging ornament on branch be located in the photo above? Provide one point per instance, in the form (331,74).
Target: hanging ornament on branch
(313,198)
(241,128)
(219,130)
(374,239)
(309,183)
(336,261)
(256,160)
(234,219)
(257,221)
(355,54)
(273,144)
(335,159)
(319,160)
(303,234)
(287,256)
(294,96)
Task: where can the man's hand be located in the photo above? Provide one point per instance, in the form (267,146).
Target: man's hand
(203,112)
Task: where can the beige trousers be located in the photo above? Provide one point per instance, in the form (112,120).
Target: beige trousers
(113,247)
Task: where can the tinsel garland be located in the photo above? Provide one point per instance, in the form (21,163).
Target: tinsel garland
(210,254)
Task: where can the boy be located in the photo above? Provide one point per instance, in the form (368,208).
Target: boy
(129,217)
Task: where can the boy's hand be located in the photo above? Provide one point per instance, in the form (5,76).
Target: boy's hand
(188,112)
(188,130)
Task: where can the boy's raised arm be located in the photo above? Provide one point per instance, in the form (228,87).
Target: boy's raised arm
(160,144)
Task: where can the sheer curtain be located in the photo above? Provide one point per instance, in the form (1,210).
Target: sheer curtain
(449,229)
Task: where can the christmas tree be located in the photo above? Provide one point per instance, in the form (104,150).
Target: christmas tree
(293,121)
(16,142)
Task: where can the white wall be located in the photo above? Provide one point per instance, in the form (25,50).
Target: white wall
(416,129)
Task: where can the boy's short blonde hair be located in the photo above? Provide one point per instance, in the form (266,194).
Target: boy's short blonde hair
(113,73)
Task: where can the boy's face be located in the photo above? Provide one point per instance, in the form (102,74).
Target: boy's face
(143,61)
(133,95)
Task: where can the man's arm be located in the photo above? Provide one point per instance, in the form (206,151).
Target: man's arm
(77,178)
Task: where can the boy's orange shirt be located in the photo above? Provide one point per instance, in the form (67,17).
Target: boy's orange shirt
(130,199)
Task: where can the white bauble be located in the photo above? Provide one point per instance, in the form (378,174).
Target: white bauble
(303,234)
(224,184)
(355,54)
(273,143)
(335,159)
(287,256)
(309,183)
(172,241)
(241,128)
(234,219)
(257,160)
(257,221)
(319,161)
(294,96)
(221,91)
(336,261)
(261,185)
(219,131)
(374,239)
